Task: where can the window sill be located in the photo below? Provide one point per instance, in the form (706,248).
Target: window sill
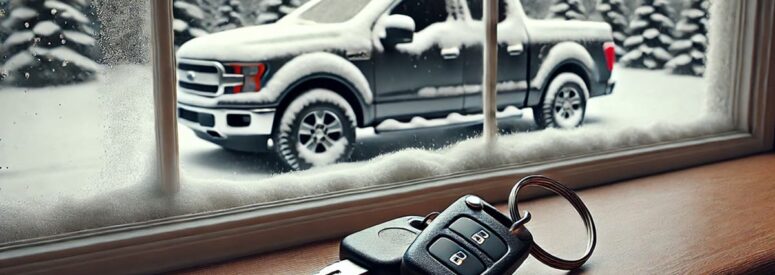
(711,219)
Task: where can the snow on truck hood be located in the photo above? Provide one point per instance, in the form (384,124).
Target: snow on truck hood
(259,43)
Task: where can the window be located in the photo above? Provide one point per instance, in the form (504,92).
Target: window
(423,12)
(333,11)
(249,202)
(475,6)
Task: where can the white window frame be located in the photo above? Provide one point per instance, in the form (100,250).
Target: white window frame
(183,241)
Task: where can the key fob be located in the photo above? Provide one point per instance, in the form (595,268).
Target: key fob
(380,248)
(470,237)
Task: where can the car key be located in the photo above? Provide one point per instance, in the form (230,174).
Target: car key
(378,249)
(470,237)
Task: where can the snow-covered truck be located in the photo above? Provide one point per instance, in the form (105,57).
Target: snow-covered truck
(301,86)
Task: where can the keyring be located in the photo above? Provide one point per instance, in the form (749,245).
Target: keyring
(554,186)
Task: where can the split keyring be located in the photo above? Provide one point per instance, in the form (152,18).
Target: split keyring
(554,186)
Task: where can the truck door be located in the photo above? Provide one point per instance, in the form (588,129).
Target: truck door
(420,78)
(512,59)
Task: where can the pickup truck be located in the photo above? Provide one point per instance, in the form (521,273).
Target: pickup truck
(301,86)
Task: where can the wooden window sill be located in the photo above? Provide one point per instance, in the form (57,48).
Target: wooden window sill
(716,218)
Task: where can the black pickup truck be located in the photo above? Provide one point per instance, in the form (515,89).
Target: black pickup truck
(301,86)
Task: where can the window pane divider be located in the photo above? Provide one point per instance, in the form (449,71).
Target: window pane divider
(490,70)
(165,96)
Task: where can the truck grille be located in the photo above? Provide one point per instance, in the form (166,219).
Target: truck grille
(197,87)
(200,77)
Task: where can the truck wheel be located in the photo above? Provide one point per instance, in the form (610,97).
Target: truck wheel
(565,103)
(316,129)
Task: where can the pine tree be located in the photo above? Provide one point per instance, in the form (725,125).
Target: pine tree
(50,43)
(567,10)
(692,43)
(188,23)
(647,46)
(229,16)
(272,10)
(613,13)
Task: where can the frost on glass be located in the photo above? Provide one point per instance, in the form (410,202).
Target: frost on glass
(76,113)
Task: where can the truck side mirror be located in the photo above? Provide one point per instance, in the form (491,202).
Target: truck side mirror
(399,29)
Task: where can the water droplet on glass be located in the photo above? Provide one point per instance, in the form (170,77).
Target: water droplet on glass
(64,63)
(53,11)
(64,41)
(27,75)
(27,25)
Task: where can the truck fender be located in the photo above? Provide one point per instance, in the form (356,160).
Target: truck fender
(320,63)
(561,54)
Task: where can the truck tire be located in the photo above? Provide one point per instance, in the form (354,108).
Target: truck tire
(565,103)
(316,129)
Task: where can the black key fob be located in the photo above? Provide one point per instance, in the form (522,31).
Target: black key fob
(380,248)
(470,237)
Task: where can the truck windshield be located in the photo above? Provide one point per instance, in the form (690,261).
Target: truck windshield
(334,11)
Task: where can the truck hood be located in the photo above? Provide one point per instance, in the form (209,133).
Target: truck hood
(259,43)
(560,30)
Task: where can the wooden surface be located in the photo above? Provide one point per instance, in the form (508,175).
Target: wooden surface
(713,219)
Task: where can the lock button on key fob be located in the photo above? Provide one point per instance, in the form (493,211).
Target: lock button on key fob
(479,236)
(456,257)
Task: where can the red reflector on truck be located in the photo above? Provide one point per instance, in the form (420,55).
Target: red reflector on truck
(609,48)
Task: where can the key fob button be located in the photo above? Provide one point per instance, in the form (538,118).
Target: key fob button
(456,257)
(479,236)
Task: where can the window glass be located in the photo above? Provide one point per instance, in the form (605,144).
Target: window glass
(476,7)
(281,103)
(423,12)
(333,11)
(76,113)
(271,111)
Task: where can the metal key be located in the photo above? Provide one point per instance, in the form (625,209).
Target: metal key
(378,249)
(470,237)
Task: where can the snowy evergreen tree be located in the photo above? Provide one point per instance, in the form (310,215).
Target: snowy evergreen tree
(229,16)
(50,43)
(567,10)
(692,42)
(189,21)
(272,10)
(613,12)
(649,41)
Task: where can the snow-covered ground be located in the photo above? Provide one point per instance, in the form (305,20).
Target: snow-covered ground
(641,98)
(93,142)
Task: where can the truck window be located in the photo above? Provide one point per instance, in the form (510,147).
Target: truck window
(476,8)
(334,11)
(424,12)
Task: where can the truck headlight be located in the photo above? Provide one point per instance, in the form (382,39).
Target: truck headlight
(253,77)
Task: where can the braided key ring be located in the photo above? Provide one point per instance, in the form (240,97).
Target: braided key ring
(554,186)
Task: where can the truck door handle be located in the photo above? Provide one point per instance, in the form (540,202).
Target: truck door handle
(450,53)
(358,55)
(516,49)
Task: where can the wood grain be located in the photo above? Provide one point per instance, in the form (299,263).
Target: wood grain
(712,219)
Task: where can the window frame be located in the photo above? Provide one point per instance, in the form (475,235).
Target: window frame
(176,242)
